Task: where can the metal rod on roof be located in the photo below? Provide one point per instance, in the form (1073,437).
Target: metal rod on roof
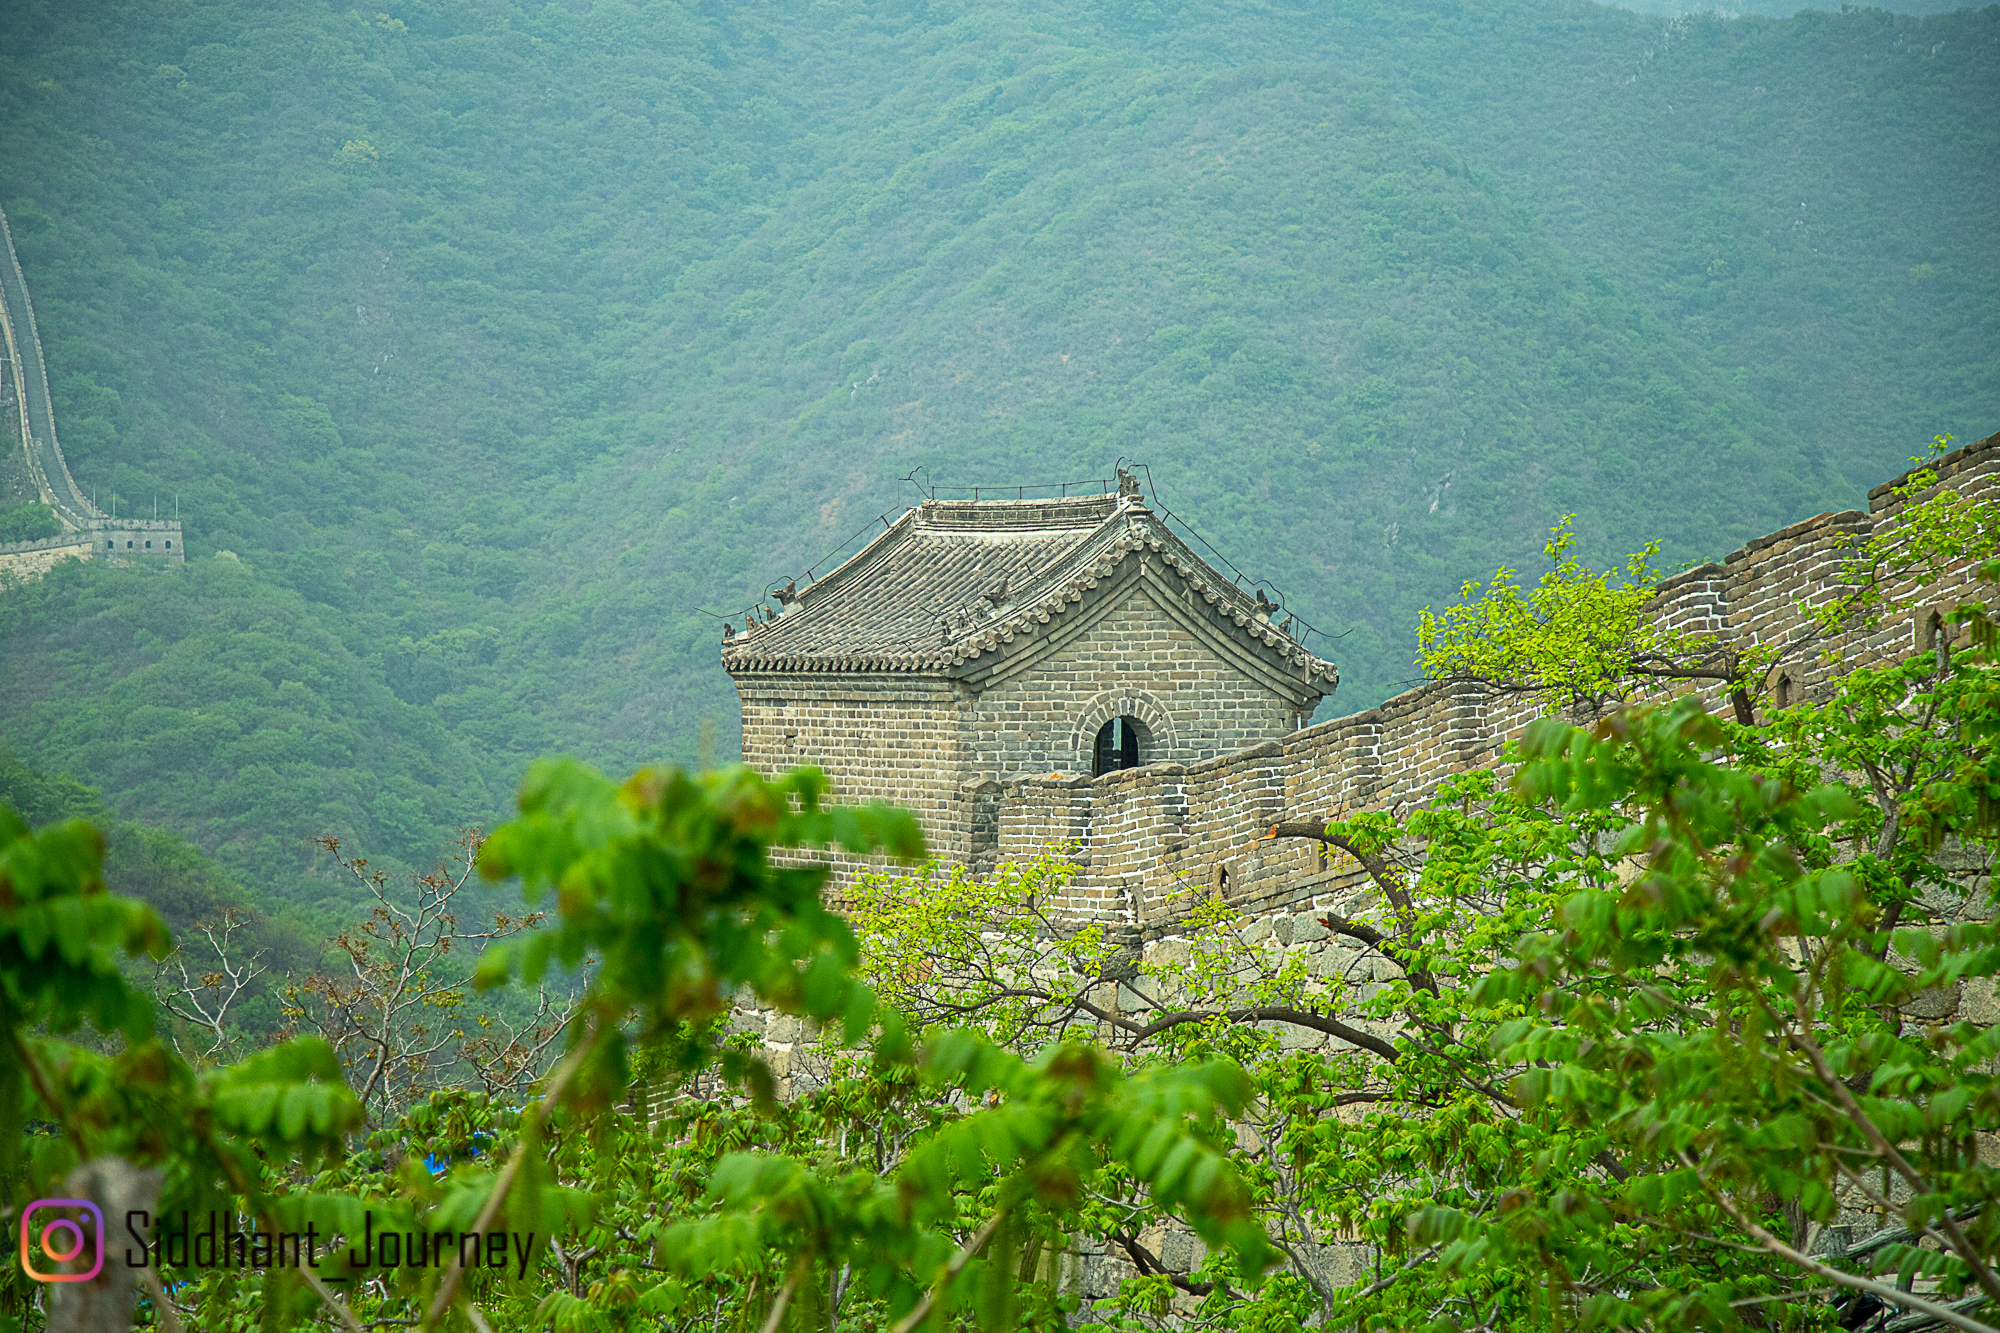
(1196,533)
(1103,485)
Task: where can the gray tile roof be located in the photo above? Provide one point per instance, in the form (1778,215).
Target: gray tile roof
(952,580)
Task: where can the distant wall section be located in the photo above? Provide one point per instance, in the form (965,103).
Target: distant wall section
(146,542)
(31,560)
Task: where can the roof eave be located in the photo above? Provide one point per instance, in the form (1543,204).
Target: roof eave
(1279,654)
(1058,592)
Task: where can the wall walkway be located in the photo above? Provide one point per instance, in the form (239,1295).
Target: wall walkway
(31,386)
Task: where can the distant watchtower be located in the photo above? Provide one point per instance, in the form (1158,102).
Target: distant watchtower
(975,642)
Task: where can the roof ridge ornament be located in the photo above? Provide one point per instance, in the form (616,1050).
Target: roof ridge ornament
(954,581)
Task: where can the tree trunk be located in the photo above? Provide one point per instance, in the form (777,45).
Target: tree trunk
(105,1304)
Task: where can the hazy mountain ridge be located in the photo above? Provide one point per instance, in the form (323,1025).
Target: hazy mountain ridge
(499,339)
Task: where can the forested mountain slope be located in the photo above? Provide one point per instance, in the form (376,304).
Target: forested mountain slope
(186,887)
(497,340)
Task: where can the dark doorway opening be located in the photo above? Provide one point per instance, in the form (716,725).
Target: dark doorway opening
(1117,746)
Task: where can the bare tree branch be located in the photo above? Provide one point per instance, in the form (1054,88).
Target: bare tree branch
(1276,1013)
(398,1004)
(1149,1265)
(203,999)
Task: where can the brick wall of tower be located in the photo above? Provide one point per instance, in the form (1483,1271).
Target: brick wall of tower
(1135,659)
(137,541)
(879,738)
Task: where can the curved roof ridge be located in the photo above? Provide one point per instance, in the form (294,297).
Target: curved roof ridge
(1143,528)
(845,569)
(1016,515)
(905,595)
(955,579)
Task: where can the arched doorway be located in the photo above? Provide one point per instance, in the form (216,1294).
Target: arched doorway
(1121,743)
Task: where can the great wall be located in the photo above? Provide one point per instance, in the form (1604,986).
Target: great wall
(37,470)
(907,726)
(1145,843)
(1144,836)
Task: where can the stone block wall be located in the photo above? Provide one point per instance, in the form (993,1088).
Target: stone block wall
(1135,660)
(133,541)
(31,560)
(1145,838)
(121,541)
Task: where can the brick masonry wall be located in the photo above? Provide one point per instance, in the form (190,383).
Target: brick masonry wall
(879,738)
(121,541)
(1135,660)
(1146,838)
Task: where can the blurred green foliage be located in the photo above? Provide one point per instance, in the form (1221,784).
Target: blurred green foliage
(27,523)
(173,877)
(494,339)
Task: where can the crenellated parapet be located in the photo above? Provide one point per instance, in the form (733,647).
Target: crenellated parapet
(1145,839)
(149,542)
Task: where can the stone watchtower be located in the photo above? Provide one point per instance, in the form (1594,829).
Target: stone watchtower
(978,642)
